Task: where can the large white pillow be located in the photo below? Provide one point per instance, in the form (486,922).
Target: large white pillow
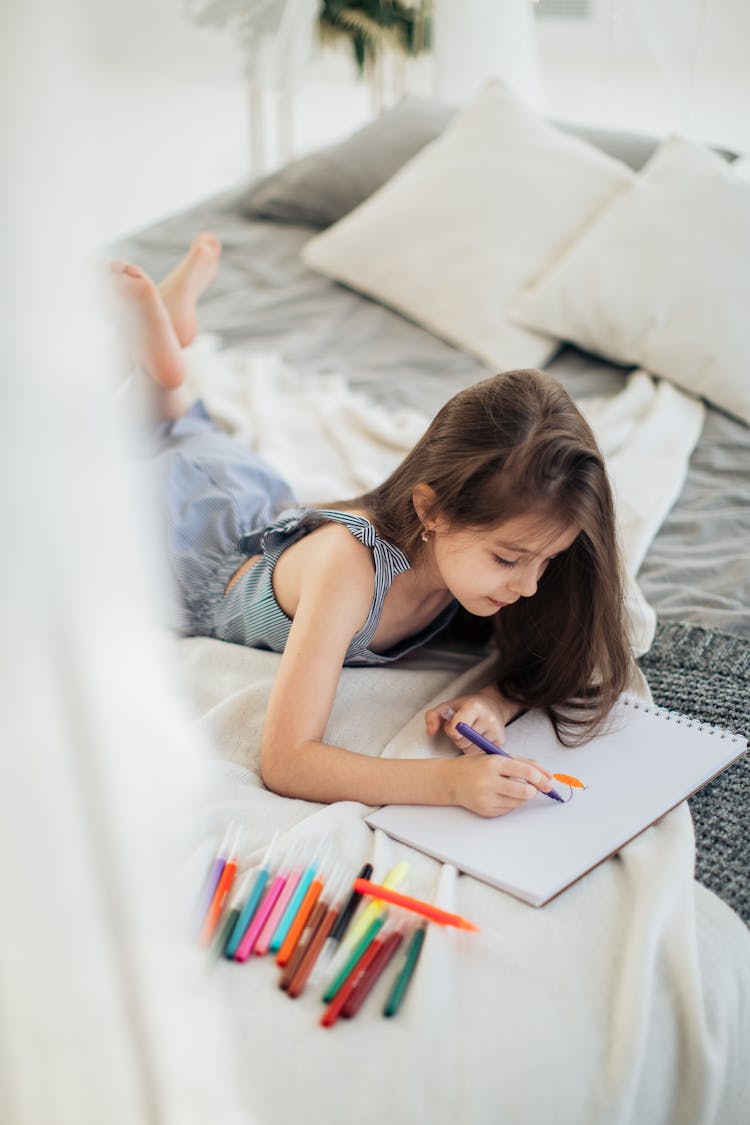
(662,278)
(469,222)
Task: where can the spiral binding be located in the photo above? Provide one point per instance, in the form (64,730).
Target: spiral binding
(679,719)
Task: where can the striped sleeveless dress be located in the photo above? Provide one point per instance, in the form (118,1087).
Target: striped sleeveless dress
(223,503)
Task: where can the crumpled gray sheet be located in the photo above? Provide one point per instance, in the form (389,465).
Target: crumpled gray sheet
(265,299)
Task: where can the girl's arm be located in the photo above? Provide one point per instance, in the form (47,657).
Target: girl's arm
(335,597)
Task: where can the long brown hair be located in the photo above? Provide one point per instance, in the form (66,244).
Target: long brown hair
(512,445)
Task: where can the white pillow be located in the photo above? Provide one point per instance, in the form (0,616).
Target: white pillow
(662,278)
(469,222)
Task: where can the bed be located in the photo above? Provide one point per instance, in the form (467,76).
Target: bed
(627,998)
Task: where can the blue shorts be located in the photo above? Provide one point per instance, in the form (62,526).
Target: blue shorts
(213,491)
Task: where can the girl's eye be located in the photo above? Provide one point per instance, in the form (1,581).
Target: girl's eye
(504,562)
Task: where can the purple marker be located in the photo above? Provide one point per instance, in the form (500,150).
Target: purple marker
(217,870)
(490,748)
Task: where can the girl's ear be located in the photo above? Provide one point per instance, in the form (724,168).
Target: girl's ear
(424,499)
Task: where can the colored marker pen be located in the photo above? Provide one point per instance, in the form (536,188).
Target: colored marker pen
(223,888)
(367,953)
(306,955)
(238,897)
(215,873)
(328,939)
(306,907)
(266,905)
(401,984)
(294,903)
(247,912)
(354,957)
(392,881)
(490,748)
(292,871)
(352,902)
(388,947)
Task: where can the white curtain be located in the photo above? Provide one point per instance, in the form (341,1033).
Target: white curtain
(104,1016)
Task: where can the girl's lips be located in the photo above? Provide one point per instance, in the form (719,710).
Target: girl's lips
(497,603)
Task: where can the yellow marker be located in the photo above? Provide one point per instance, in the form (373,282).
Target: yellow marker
(375,908)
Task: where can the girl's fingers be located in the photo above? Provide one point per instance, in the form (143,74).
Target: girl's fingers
(517,791)
(536,765)
(432,723)
(473,713)
(472,710)
(484,725)
(436,716)
(462,743)
(522,771)
(502,805)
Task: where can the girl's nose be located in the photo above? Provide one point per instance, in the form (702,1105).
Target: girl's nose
(525,581)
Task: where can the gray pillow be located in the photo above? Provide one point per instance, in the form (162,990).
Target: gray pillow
(633,149)
(321,188)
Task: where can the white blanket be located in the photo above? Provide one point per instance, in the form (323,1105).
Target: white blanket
(625,1000)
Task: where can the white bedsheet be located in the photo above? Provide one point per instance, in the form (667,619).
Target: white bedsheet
(625,1000)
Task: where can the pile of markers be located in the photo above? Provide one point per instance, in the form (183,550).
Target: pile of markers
(321,924)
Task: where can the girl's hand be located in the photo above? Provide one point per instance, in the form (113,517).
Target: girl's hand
(480,711)
(490,785)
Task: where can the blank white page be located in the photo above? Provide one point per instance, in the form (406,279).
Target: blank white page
(647,762)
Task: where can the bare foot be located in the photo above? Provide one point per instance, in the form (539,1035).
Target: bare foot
(181,288)
(149,334)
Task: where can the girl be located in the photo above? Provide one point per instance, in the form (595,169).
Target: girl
(503,509)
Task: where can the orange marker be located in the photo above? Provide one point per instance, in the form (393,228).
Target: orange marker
(300,919)
(221,894)
(426,909)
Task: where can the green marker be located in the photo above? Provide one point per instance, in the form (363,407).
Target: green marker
(401,983)
(357,952)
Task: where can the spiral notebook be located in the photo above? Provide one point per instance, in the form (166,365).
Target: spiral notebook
(645,763)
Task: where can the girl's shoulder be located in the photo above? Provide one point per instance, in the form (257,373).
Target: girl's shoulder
(334,542)
(332,572)
(334,537)
(319,548)
(388,559)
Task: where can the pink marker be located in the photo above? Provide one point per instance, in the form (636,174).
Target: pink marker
(292,875)
(246,946)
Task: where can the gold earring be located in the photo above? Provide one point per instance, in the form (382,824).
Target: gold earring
(426,534)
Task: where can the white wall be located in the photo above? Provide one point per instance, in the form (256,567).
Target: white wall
(654,65)
(163,102)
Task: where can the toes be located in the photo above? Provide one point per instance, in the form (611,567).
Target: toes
(118,266)
(208,241)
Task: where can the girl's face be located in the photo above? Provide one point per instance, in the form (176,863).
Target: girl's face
(486,569)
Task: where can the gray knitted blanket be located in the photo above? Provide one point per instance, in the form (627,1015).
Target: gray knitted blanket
(706,674)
